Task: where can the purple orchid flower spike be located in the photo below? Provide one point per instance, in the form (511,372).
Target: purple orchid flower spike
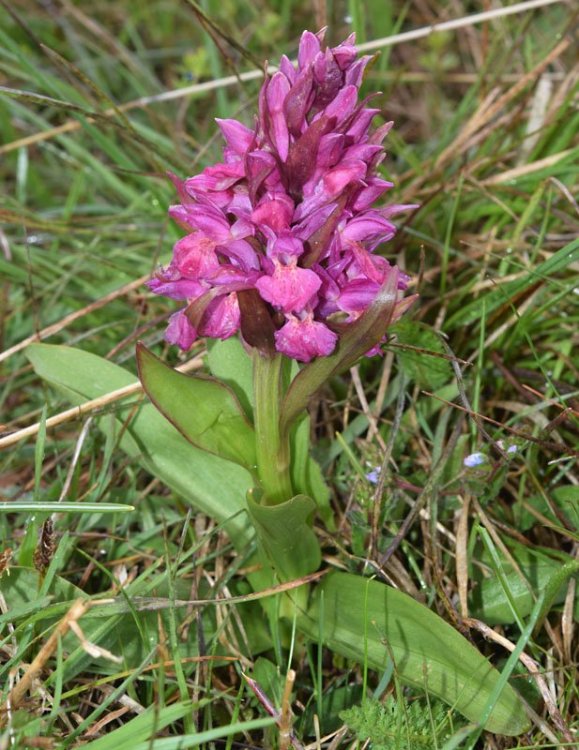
(288,214)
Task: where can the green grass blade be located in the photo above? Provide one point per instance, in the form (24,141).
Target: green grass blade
(194,740)
(21,506)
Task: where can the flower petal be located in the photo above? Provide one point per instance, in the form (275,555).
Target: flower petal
(375,187)
(275,96)
(238,137)
(298,101)
(241,253)
(215,178)
(289,288)
(305,339)
(209,220)
(287,68)
(343,105)
(357,295)
(221,319)
(345,53)
(344,174)
(259,165)
(308,49)
(353,76)
(194,256)
(275,213)
(285,247)
(369,225)
(180,288)
(180,331)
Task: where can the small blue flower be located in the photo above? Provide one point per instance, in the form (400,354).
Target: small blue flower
(510,448)
(374,476)
(474,460)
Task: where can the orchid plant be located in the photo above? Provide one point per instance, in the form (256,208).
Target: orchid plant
(279,271)
(280,246)
(280,250)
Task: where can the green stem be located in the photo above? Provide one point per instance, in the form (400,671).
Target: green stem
(273,451)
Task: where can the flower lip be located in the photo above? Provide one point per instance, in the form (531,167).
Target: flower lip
(289,288)
(305,339)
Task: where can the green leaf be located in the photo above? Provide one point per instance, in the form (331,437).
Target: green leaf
(559,506)
(307,477)
(555,583)
(213,485)
(204,411)
(285,535)
(368,621)
(567,498)
(231,364)
(419,364)
(489,600)
(268,676)
(356,339)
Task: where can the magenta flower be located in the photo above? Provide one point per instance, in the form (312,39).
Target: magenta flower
(288,214)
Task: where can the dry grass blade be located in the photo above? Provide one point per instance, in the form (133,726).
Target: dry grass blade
(462,556)
(489,108)
(97,652)
(66,321)
(568,623)
(89,407)
(156,604)
(285,722)
(526,169)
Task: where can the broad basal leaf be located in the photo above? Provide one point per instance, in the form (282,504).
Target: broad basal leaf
(367,621)
(204,410)
(213,485)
